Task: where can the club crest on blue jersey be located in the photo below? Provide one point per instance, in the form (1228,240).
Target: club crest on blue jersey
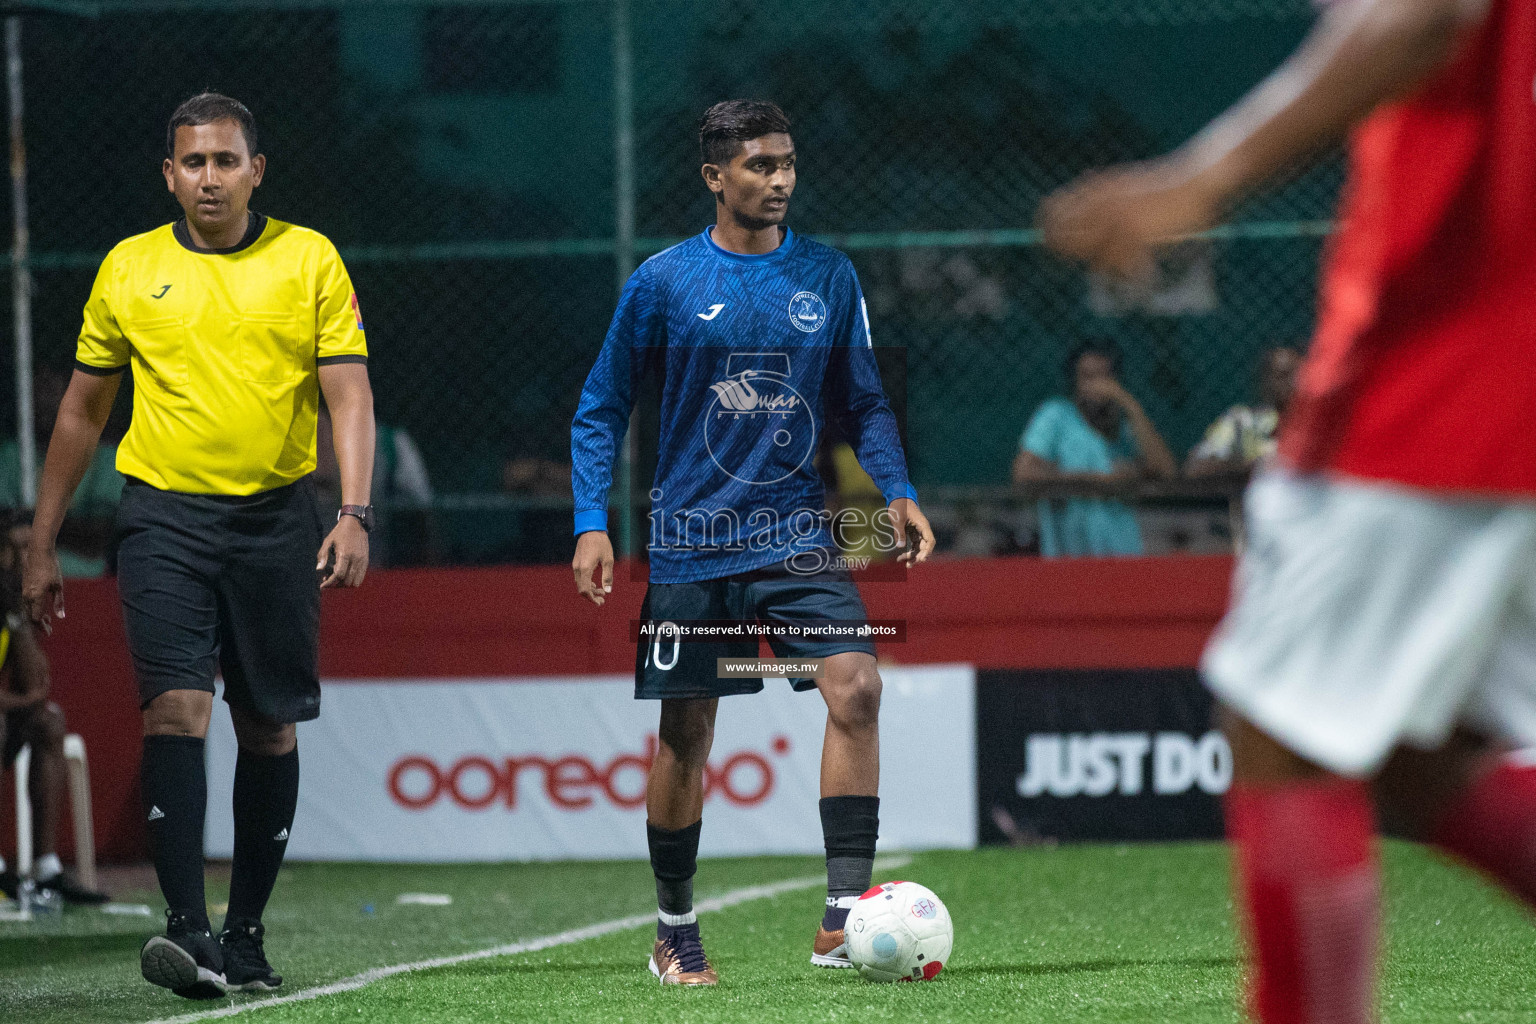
(807,312)
(758,429)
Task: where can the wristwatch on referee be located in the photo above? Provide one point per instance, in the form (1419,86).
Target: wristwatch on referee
(362,513)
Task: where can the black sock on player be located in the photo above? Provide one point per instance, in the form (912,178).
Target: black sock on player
(266,796)
(174,784)
(674,860)
(850,825)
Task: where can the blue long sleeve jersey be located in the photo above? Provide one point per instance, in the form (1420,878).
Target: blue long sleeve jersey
(752,350)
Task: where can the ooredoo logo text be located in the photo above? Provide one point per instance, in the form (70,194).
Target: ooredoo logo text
(478,782)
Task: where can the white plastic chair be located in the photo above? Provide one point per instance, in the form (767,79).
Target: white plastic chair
(80,804)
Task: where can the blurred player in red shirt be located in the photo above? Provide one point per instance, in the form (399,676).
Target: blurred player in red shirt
(1381,645)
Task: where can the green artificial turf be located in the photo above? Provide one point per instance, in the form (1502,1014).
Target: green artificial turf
(1075,934)
(84,968)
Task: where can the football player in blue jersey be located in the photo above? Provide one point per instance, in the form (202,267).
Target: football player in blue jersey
(756,334)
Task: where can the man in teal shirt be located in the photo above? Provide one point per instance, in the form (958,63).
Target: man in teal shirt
(1100,441)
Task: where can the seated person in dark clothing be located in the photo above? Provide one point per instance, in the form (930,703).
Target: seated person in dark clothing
(28,717)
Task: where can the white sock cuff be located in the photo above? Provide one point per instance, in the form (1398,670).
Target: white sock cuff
(677,920)
(842,902)
(48,866)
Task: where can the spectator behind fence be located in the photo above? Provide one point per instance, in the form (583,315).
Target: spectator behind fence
(1098,443)
(29,718)
(1244,434)
(87,533)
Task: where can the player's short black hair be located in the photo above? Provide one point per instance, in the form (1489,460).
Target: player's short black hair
(206,108)
(1092,347)
(725,126)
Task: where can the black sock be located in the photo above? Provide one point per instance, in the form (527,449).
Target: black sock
(266,795)
(674,859)
(174,785)
(850,825)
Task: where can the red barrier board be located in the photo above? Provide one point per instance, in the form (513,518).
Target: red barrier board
(1020,613)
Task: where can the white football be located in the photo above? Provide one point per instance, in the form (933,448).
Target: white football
(899,931)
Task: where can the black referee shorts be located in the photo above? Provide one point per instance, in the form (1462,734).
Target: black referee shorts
(223,582)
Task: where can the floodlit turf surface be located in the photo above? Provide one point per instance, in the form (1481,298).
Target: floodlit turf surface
(1076,934)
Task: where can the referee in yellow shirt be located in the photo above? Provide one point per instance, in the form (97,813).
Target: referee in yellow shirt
(234,325)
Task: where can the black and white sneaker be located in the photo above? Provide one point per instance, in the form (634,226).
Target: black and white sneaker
(186,959)
(245,961)
(72,891)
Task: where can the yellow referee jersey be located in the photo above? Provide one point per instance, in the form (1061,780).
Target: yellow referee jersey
(224,346)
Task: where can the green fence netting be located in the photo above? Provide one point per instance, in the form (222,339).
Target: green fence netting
(464,157)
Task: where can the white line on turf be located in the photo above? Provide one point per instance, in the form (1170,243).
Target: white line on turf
(566,938)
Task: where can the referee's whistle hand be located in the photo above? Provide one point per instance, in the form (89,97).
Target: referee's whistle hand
(346,552)
(42,587)
(593,550)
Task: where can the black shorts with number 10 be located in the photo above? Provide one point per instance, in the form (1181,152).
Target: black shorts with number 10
(668,669)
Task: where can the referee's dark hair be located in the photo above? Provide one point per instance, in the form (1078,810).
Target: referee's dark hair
(1092,347)
(725,126)
(206,108)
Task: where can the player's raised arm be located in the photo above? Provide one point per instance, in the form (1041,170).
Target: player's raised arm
(599,426)
(1360,54)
